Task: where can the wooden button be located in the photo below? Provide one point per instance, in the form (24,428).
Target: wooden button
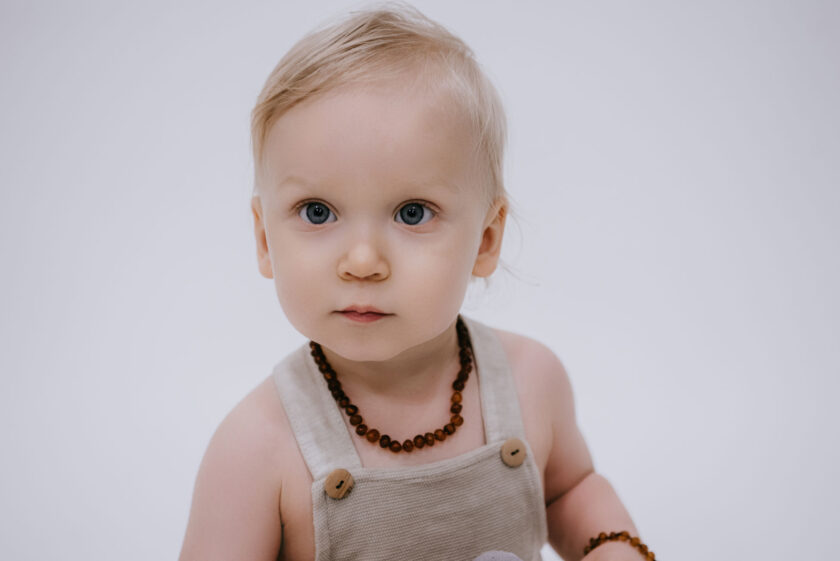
(513,452)
(338,483)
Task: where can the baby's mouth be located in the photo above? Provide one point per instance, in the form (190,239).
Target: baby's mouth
(363,314)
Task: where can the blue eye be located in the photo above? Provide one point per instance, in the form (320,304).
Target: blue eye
(415,214)
(315,213)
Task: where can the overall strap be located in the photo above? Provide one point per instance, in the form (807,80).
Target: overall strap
(499,400)
(313,414)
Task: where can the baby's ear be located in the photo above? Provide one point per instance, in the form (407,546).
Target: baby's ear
(263,257)
(491,239)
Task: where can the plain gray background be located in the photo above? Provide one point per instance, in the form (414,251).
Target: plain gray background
(675,168)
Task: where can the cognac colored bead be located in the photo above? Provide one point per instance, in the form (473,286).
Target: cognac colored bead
(457,420)
(458,385)
(634,541)
(329,375)
(333,385)
(355,420)
(395,446)
(456,397)
(408,445)
(343,402)
(419,441)
(430,439)
(385,441)
(351,409)
(449,428)
(456,408)
(372,435)
(361,430)
(440,435)
(337,393)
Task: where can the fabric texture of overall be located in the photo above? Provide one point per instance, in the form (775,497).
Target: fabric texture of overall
(449,510)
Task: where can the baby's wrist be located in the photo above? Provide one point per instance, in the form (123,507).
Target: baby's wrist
(614,551)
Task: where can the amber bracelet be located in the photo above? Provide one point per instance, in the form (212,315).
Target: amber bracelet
(619,536)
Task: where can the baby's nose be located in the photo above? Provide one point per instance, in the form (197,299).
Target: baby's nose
(363,261)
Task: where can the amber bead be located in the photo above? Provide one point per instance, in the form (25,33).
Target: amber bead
(355,420)
(372,435)
(419,441)
(440,435)
(344,402)
(328,375)
(457,420)
(385,441)
(430,439)
(456,397)
(634,541)
(408,445)
(458,385)
(337,394)
(333,385)
(395,446)
(361,430)
(351,409)
(456,408)
(449,428)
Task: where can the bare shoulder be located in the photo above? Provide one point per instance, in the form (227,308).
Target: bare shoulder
(548,406)
(235,510)
(534,362)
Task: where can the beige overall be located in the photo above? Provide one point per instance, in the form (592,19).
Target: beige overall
(450,510)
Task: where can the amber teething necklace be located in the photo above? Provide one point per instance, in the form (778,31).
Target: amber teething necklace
(372,435)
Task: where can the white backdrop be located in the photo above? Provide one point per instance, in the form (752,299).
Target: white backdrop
(676,169)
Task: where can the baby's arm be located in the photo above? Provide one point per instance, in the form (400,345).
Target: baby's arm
(580,503)
(236,502)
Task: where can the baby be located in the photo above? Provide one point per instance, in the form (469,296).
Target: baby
(401,430)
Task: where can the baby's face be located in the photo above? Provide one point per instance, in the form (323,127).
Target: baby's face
(371,197)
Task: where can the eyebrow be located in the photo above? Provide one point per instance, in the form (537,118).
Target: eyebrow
(297,180)
(434,182)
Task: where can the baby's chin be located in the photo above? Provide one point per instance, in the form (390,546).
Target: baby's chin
(357,343)
(356,351)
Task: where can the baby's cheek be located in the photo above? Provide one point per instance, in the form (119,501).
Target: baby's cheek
(441,277)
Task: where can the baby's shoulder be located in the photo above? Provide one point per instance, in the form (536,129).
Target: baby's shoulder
(532,361)
(253,431)
(259,420)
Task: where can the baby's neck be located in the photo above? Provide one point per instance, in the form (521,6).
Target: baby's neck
(413,375)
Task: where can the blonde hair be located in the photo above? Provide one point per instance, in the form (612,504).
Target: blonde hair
(375,45)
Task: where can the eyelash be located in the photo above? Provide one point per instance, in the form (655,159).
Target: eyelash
(300,206)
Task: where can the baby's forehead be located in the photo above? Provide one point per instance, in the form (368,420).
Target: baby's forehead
(422,86)
(401,139)
(393,110)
